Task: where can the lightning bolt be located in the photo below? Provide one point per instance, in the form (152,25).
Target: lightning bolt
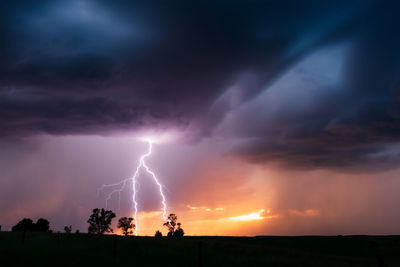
(122,185)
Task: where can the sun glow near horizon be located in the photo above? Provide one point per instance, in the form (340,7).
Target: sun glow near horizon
(257,215)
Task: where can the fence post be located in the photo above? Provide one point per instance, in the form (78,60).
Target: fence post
(115,248)
(380,260)
(200,254)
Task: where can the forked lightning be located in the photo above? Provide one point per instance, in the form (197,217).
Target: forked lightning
(122,185)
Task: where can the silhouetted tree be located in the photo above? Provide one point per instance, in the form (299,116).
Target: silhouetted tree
(170,224)
(158,234)
(174,229)
(42,225)
(68,229)
(100,221)
(127,225)
(24,225)
(179,231)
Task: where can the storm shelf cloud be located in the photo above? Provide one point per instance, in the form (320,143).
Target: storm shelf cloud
(311,84)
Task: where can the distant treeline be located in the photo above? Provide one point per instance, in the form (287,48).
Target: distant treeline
(99,223)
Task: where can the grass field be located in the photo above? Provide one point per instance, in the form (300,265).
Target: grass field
(36,249)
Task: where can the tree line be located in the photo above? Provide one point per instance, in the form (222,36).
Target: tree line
(100,223)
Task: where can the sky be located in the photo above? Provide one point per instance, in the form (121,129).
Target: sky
(268,117)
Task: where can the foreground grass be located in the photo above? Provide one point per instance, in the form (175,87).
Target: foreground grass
(38,249)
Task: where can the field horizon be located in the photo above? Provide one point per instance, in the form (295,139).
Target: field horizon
(17,249)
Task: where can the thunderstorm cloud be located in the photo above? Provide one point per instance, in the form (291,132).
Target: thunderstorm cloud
(309,84)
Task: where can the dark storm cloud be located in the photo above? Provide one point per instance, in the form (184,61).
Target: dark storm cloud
(70,67)
(355,123)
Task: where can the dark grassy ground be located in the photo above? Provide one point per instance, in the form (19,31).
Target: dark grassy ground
(91,250)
